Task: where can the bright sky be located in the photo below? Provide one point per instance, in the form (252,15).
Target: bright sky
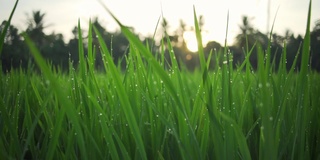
(62,15)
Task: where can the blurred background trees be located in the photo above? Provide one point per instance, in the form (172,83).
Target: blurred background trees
(52,46)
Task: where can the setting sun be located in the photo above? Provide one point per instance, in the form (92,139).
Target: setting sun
(191,40)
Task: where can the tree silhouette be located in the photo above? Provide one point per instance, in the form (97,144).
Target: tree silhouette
(276,48)
(115,41)
(13,53)
(248,38)
(244,41)
(174,39)
(36,27)
(52,47)
(315,46)
(55,50)
(246,35)
(293,45)
(216,49)
(72,47)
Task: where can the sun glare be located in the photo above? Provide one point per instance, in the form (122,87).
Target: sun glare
(191,40)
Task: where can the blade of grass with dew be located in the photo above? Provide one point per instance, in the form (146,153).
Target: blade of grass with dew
(268,144)
(240,138)
(162,52)
(246,61)
(268,52)
(82,62)
(245,106)
(11,129)
(10,107)
(91,54)
(267,141)
(216,129)
(184,120)
(141,68)
(147,54)
(209,59)
(229,143)
(176,75)
(154,33)
(283,88)
(303,95)
(91,57)
(107,134)
(91,62)
(212,111)
(137,68)
(167,123)
(132,39)
(282,70)
(91,88)
(31,129)
(314,122)
(199,41)
(208,102)
(205,86)
(124,100)
(67,109)
(69,149)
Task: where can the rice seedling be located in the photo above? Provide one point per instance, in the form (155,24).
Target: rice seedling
(155,111)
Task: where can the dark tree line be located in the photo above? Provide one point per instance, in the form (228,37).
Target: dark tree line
(15,53)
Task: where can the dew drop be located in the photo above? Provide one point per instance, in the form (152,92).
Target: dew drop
(271,118)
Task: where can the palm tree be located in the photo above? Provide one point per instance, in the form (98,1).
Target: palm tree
(36,27)
(246,35)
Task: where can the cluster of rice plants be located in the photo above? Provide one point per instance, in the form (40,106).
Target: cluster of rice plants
(151,112)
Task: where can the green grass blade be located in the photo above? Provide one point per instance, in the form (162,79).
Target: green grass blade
(124,100)
(82,61)
(107,131)
(199,40)
(240,138)
(91,53)
(303,95)
(67,104)
(149,57)
(6,119)
(268,143)
(268,52)
(30,134)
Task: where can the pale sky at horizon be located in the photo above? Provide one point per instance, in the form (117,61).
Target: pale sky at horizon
(142,15)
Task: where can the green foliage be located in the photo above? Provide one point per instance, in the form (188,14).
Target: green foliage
(159,110)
